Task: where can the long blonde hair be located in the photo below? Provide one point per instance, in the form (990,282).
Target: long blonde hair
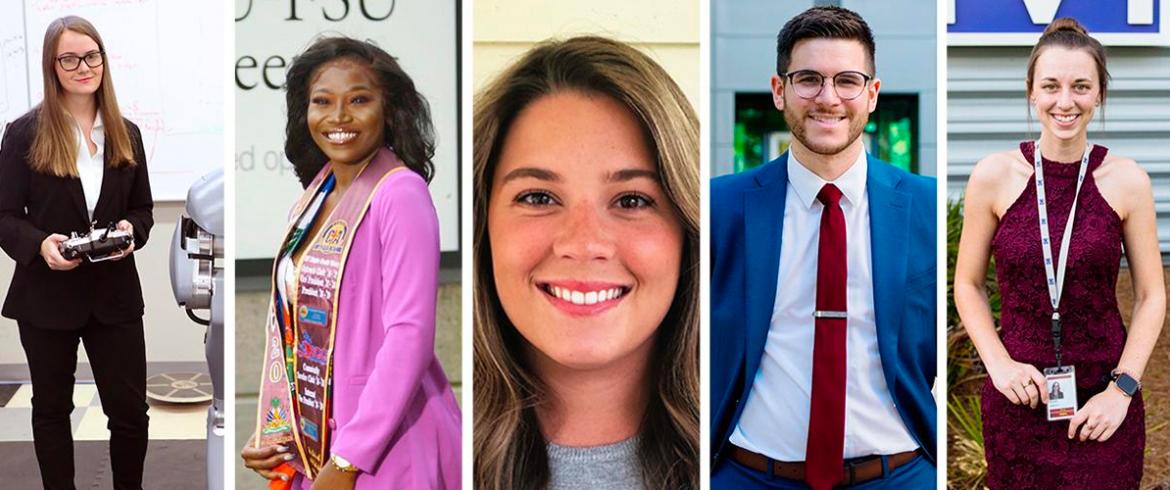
(509,448)
(54,149)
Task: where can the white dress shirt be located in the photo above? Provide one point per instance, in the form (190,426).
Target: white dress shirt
(775,419)
(90,168)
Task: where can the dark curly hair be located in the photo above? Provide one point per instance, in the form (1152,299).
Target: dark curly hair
(408,116)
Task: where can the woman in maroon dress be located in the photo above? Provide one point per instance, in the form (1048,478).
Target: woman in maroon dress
(1101,446)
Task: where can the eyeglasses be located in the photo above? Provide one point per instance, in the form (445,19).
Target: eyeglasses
(70,62)
(808,84)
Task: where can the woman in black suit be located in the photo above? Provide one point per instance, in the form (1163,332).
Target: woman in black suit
(68,163)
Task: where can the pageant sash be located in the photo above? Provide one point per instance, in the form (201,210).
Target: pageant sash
(295,389)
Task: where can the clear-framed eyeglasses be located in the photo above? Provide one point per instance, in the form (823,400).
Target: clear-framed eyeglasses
(808,84)
(71,62)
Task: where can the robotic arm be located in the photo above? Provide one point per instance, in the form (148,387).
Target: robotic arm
(197,278)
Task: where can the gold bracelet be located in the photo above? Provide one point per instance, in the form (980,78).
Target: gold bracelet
(342,464)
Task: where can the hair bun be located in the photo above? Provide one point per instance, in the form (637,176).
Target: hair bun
(1066,24)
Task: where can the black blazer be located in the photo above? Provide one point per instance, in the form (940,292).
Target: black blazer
(34,205)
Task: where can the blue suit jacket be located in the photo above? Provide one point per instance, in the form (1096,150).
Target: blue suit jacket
(747,219)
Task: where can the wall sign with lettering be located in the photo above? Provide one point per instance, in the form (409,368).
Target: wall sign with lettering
(1020,22)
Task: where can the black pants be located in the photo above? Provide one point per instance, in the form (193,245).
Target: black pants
(117,354)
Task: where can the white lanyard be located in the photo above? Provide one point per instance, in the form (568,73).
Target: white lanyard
(1056,279)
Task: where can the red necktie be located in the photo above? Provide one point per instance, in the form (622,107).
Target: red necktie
(826,423)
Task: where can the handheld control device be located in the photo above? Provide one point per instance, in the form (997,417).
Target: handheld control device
(97,245)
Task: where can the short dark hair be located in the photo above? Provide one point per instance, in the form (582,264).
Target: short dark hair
(408,116)
(823,22)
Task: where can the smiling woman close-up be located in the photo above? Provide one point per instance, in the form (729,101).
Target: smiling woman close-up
(586,278)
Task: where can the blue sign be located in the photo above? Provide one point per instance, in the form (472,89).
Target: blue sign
(1020,22)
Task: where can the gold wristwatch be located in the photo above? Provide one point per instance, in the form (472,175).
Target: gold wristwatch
(342,465)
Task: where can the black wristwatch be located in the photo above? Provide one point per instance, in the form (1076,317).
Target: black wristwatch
(1126,383)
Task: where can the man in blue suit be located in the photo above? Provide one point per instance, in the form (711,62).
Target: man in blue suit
(823,287)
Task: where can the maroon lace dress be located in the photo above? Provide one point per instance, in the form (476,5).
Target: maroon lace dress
(1024,450)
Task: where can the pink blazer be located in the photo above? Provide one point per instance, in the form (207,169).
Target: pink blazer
(394,413)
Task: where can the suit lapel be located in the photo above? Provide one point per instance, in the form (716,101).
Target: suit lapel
(889,214)
(764,223)
(73,184)
(109,180)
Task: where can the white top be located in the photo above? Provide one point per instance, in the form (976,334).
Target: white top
(286,270)
(286,275)
(91,167)
(775,419)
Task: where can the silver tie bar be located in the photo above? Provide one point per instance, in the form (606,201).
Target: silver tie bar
(830,314)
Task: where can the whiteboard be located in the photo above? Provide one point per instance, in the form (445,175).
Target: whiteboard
(14,96)
(165,60)
(422,34)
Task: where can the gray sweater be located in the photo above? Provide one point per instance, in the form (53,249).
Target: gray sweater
(609,467)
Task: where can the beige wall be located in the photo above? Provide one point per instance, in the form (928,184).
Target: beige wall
(170,335)
(666,30)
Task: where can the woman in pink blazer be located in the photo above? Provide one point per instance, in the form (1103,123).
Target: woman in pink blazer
(360,138)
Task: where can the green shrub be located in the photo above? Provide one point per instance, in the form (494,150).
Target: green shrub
(966,465)
(963,363)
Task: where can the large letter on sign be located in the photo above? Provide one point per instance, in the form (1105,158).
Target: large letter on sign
(1141,12)
(1042,11)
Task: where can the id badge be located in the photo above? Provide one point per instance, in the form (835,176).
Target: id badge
(1061,383)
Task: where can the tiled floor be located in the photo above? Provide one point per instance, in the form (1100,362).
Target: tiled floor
(170,465)
(167,421)
(175,458)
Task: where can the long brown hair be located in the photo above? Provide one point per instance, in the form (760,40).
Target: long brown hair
(54,150)
(509,447)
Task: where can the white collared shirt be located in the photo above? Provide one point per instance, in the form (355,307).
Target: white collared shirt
(775,419)
(90,168)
